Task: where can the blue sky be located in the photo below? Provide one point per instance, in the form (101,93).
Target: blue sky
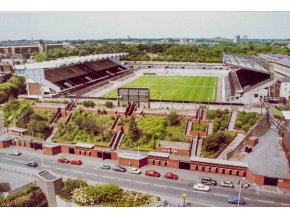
(99,25)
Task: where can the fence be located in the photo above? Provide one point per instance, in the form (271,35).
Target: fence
(17,171)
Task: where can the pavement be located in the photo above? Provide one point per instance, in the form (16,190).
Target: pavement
(167,189)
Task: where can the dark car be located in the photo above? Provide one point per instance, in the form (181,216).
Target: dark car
(236,200)
(119,169)
(171,176)
(31,164)
(76,162)
(152,173)
(208,181)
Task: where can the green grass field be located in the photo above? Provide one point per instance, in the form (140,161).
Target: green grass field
(183,88)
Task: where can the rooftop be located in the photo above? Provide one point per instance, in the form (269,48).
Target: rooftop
(175,145)
(49,145)
(159,154)
(17,129)
(219,161)
(68,61)
(276,58)
(83,145)
(133,156)
(5,137)
(47,175)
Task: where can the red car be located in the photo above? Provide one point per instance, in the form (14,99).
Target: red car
(152,173)
(76,162)
(63,160)
(171,176)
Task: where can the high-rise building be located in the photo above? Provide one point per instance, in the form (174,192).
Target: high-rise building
(245,37)
(237,39)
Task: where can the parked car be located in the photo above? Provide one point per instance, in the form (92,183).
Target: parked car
(63,160)
(31,164)
(76,162)
(227,184)
(201,187)
(236,200)
(135,171)
(171,176)
(152,173)
(105,167)
(119,169)
(14,152)
(208,181)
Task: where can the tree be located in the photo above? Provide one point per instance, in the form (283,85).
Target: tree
(173,119)
(109,104)
(133,131)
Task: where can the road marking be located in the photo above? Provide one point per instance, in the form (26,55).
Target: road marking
(19,161)
(111,177)
(59,168)
(128,180)
(91,174)
(248,198)
(76,171)
(285,204)
(221,195)
(145,183)
(5,158)
(270,202)
(181,189)
(163,186)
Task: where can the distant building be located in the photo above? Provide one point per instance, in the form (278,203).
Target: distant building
(187,41)
(237,39)
(245,37)
(164,41)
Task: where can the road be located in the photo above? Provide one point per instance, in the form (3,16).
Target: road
(166,189)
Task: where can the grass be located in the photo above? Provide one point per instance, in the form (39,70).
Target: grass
(182,88)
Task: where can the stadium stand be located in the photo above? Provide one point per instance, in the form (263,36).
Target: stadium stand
(72,75)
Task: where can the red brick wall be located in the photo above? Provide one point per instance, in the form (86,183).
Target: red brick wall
(114,155)
(34,88)
(52,151)
(5,144)
(173,163)
(284,183)
(258,179)
(64,149)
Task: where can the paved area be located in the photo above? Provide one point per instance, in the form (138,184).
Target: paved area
(166,189)
(233,120)
(267,157)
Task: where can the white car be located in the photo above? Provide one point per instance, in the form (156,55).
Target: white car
(14,152)
(201,187)
(135,171)
(227,184)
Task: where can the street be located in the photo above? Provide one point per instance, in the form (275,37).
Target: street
(167,189)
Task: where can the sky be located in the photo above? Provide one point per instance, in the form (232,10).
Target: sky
(103,25)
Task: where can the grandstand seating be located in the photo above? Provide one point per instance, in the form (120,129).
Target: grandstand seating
(248,78)
(67,77)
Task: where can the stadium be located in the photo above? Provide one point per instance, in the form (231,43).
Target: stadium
(239,79)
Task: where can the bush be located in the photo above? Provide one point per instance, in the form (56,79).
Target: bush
(246,120)
(109,104)
(70,185)
(89,103)
(173,119)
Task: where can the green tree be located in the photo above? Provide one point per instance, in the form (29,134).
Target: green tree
(173,119)
(133,131)
(70,185)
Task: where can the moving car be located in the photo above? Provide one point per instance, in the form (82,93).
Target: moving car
(105,167)
(76,162)
(119,169)
(152,173)
(31,164)
(63,160)
(14,152)
(201,187)
(227,184)
(135,171)
(208,181)
(236,200)
(171,176)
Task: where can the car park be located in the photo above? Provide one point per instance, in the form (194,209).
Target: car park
(171,176)
(14,152)
(76,162)
(201,187)
(105,167)
(31,164)
(119,169)
(152,173)
(236,200)
(227,184)
(63,160)
(208,181)
(134,171)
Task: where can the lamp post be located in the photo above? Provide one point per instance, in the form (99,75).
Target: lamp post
(240,192)
(184,198)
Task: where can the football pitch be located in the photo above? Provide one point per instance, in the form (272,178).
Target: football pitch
(181,88)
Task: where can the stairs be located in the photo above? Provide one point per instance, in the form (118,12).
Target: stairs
(189,127)
(233,119)
(210,129)
(116,140)
(194,144)
(115,122)
(131,108)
